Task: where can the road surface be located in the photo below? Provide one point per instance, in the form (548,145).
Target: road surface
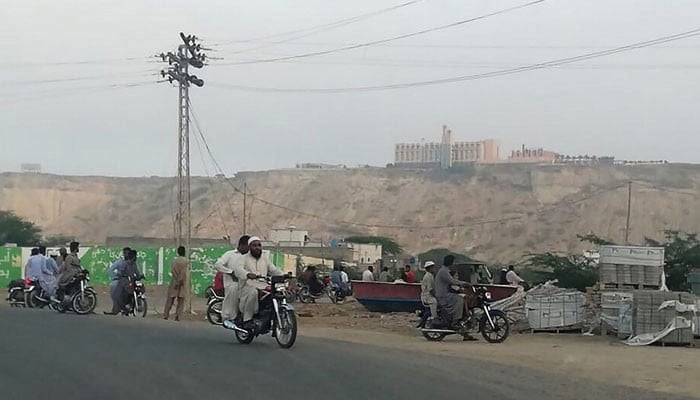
(47,355)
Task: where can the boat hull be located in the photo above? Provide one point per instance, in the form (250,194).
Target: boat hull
(405,297)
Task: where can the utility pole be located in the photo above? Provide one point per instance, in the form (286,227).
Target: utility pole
(188,53)
(245,199)
(629,212)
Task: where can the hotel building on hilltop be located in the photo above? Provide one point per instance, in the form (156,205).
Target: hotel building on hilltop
(446,153)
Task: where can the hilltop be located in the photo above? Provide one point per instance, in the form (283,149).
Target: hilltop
(503,211)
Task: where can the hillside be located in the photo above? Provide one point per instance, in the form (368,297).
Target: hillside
(535,207)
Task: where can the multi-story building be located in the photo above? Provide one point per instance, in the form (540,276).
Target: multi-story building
(446,153)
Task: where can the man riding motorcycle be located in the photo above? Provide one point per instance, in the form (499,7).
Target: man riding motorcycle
(452,304)
(249,268)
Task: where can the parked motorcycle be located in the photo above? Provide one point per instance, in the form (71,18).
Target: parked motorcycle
(136,304)
(329,289)
(493,324)
(78,296)
(274,316)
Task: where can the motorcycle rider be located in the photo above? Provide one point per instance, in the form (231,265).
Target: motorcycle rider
(128,271)
(248,269)
(113,273)
(337,279)
(35,263)
(47,278)
(451,302)
(227,265)
(70,267)
(310,279)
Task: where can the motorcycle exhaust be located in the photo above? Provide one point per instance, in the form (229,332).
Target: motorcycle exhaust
(438,330)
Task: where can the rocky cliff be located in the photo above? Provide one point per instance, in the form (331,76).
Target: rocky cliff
(496,213)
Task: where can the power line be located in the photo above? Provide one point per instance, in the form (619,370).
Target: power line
(139,73)
(77,62)
(302,33)
(74,91)
(356,46)
(509,71)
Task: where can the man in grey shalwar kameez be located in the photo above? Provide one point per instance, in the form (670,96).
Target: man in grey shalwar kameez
(450,302)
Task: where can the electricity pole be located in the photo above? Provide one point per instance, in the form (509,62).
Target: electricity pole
(245,200)
(188,53)
(629,212)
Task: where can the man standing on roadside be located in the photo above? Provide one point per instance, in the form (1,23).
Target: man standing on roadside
(226,265)
(177,289)
(368,275)
(410,276)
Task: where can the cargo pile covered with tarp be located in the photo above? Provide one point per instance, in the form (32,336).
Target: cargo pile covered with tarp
(663,317)
(544,307)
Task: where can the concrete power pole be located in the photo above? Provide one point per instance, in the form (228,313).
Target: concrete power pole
(188,53)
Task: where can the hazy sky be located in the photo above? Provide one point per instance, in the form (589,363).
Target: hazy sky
(642,104)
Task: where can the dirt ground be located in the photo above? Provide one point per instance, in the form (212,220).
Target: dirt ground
(672,370)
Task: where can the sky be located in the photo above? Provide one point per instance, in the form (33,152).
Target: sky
(79,93)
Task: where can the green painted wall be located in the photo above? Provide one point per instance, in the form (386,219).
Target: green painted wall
(10,264)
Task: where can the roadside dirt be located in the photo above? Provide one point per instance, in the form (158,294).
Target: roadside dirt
(673,370)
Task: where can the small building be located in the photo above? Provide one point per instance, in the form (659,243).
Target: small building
(30,168)
(532,155)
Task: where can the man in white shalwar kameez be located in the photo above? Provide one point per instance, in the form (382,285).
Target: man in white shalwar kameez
(227,264)
(250,267)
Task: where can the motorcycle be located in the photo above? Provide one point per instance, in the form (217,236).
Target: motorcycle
(214,302)
(17,292)
(492,324)
(136,303)
(77,295)
(274,316)
(329,289)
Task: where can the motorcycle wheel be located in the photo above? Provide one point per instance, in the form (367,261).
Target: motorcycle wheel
(214,312)
(501,329)
(84,304)
(141,307)
(333,296)
(244,338)
(286,334)
(289,296)
(304,295)
(434,336)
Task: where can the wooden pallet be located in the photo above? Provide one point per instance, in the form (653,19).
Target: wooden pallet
(566,329)
(628,286)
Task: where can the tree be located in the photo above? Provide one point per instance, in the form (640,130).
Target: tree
(681,254)
(594,239)
(389,246)
(437,255)
(14,229)
(573,271)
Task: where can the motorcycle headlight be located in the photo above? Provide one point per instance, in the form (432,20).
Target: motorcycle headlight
(280,286)
(487,295)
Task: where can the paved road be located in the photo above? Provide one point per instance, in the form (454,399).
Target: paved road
(98,357)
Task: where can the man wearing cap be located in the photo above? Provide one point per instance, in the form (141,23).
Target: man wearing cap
(248,268)
(427,288)
(226,265)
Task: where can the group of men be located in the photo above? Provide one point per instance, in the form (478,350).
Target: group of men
(241,270)
(407,275)
(55,272)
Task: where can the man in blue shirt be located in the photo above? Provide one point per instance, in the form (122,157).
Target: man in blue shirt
(113,272)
